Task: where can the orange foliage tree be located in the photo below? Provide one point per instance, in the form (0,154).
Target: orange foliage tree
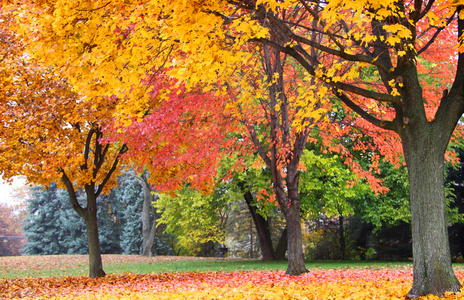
(108,48)
(48,133)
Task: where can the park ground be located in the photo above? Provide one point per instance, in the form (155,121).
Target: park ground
(170,277)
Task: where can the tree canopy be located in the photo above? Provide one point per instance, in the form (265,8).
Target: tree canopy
(398,65)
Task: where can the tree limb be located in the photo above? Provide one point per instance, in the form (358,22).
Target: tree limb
(364,114)
(123,149)
(72,195)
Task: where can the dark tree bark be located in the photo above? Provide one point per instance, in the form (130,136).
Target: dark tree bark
(295,254)
(95,259)
(148,227)
(342,241)
(89,213)
(424,151)
(281,247)
(262,229)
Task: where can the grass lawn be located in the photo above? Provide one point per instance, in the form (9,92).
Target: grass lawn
(72,265)
(64,277)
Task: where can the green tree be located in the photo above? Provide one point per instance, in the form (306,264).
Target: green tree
(52,226)
(193,218)
(46,225)
(131,196)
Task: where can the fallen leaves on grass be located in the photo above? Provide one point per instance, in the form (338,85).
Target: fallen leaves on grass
(367,283)
(24,266)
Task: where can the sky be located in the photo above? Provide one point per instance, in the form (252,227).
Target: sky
(7,190)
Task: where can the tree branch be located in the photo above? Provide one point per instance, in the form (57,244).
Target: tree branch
(277,24)
(72,195)
(328,80)
(87,148)
(258,145)
(364,114)
(452,105)
(435,35)
(123,149)
(426,9)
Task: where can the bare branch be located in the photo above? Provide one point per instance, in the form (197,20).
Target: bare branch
(435,35)
(364,114)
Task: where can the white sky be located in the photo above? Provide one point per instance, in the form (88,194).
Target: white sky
(7,190)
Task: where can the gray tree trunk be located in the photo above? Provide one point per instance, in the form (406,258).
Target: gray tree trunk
(295,254)
(433,272)
(148,227)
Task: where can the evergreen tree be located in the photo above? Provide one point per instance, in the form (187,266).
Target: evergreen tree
(43,224)
(132,197)
(110,219)
(53,227)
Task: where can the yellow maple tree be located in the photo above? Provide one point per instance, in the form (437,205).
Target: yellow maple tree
(49,133)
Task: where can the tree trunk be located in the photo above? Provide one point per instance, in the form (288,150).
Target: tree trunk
(285,189)
(95,259)
(262,229)
(342,238)
(296,263)
(148,227)
(147,247)
(281,247)
(433,272)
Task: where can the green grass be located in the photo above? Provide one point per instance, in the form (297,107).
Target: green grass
(199,266)
(239,265)
(74,265)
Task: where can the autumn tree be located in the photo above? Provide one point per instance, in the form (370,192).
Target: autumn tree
(280,146)
(395,39)
(49,134)
(204,62)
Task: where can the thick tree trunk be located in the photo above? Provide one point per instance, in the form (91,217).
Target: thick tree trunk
(296,263)
(424,145)
(433,272)
(281,247)
(95,259)
(262,229)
